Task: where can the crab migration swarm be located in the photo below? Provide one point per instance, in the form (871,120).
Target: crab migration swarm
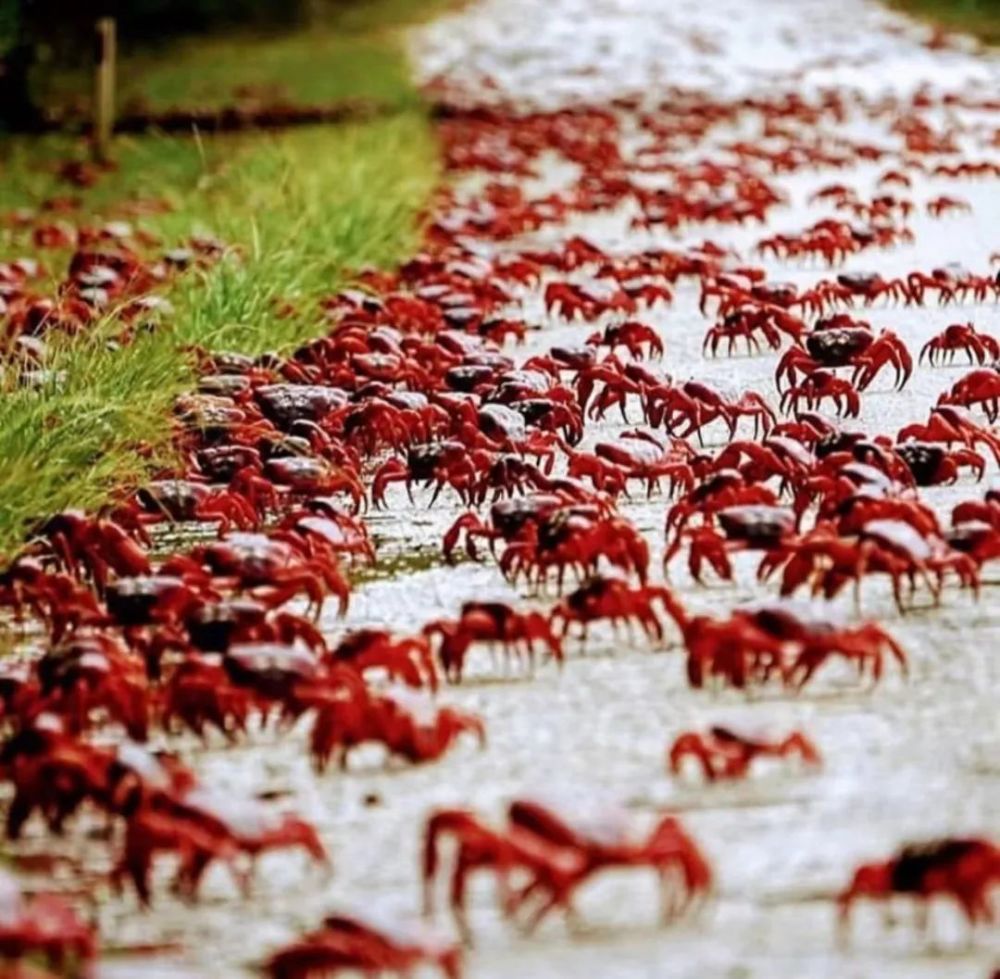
(609,260)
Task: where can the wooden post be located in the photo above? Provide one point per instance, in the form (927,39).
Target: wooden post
(104,89)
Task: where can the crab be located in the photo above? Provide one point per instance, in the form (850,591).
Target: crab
(980,348)
(406,658)
(52,772)
(491,622)
(885,545)
(631,335)
(572,300)
(698,404)
(446,463)
(821,385)
(939,206)
(95,546)
(758,527)
(727,754)
(44,926)
(641,456)
(851,346)
(92,674)
(978,387)
(964,869)
(613,598)
(934,465)
(746,322)
(813,635)
(577,539)
(357,944)
(870,286)
(607,840)
(724,488)
(408,727)
(950,424)
(253,827)
(272,570)
(181,500)
(558,852)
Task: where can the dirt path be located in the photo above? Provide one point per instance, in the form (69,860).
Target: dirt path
(914,758)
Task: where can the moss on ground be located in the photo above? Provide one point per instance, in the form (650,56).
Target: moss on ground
(978,17)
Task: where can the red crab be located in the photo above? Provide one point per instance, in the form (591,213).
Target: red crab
(949,424)
(357,944)
(698,404)
(614,599)
(607,840)
(94,545)
(571,300)
(91,674)
(447,463)
(978,347)
(757,527)
(52,772)
(408,727)
(641,456)
(183,500)
(850,346)
(871,286)
(746,322)
(491,622)
(814,635)
(43,927)
(966,870)
(558,852)
(889,546)
(273,570)
(725,754)
(934,465)
(939,206)
(204,826)
(819,386)
(637,338)
(406,658)
(724,488)
(577,539)
(978,387)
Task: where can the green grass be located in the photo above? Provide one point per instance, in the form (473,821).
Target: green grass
(345,55)
(978,17)
(304,209)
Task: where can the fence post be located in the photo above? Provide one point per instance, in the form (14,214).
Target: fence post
(104,89)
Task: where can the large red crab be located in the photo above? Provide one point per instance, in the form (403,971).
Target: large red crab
(847,346)
(964,869)
(980,348)
(272,570)
(559,850)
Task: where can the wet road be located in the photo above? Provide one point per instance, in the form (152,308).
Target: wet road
(914,758)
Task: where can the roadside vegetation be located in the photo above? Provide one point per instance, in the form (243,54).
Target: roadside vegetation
(978,17)
(302,209)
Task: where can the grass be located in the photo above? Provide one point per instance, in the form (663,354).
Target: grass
(978,17)
(304,208)
(345,55)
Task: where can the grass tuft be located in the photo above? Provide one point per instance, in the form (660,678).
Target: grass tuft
(303,209)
